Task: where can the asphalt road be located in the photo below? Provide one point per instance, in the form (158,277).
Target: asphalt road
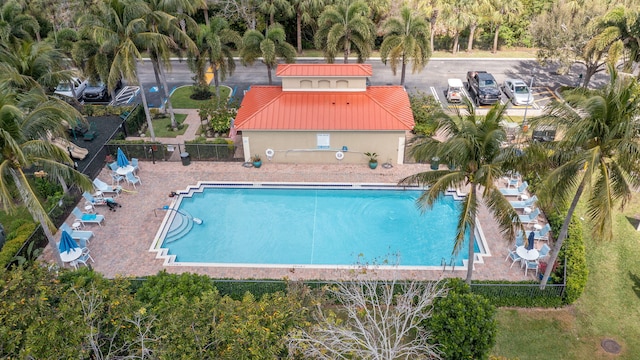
(435,74)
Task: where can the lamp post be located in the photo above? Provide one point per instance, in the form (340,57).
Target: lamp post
(525,126)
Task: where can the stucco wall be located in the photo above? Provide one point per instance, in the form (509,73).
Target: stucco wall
(324,83)
(301,147)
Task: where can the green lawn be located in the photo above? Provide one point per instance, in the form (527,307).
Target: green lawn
(161,126)
(180,97)
(609,308)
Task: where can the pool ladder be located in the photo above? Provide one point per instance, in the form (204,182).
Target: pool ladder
(452,264)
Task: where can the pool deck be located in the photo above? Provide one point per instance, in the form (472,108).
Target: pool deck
(121,246)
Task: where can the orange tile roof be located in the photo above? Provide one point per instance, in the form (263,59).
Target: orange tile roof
(378,108)
(324,70)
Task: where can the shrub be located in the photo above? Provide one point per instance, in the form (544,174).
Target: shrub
(165,288)
(15,240)
(573,251)
(462,323)
(426,112)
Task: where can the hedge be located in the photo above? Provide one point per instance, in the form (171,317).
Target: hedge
(573,250)
(15,239)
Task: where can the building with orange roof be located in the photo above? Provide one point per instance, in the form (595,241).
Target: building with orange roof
(325,113)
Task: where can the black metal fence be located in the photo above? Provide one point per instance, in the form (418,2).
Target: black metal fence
(175,152)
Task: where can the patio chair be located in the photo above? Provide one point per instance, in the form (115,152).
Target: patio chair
(515,192)
(116,178)
(83,259)
(531,265)
(541,235)
(519,239)
(136,166)
(105,188)
(78,235)
(530,218)
(133,179)
(544,251)
(515,258)
(113,166)
(519,204)
(85,218)
(91,133)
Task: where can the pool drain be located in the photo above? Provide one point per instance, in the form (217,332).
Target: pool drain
(610,346)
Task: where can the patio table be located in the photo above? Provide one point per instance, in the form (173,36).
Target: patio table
(528,255)
(124,170)
(71,255)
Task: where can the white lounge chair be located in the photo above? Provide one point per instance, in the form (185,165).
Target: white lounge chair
(542,235)
(85,218)
(77,234)
(521,204)
(530,218)
(106,188)
(515,192)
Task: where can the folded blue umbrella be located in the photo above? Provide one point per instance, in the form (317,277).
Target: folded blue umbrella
(530,241)
(122,160)
(66,242)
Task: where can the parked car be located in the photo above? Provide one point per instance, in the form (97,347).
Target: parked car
(518,91)
(95,91)
(484,87)
(454,90)
(70,88)
(544,133)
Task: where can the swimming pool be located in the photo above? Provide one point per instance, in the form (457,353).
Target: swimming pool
(308,225)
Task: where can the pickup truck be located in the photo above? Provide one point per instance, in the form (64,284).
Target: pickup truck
(484,87)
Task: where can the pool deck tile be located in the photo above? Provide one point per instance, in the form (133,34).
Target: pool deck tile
(121,246)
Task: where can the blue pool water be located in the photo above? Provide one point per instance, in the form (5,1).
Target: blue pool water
(316,227)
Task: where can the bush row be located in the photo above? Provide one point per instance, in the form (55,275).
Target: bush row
(15,240)
(572,259)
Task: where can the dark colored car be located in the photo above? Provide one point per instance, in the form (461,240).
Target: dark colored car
(484,87)
(95,91)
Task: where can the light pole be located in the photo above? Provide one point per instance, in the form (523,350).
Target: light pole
(525,126)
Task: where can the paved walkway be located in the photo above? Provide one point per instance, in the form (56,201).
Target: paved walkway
(121,247)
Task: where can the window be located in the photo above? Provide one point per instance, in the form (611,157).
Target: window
(342,84)
(324,84)
(323,141)
(305,84)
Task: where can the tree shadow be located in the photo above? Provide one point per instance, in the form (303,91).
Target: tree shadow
(636,283)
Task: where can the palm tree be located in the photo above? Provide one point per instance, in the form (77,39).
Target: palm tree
(16,24)
(36,63)
(271,7)
(346,28)
(26,122)
(406,39)
(599,154)
(456,17)
(115,30)
(306,12)
(216,40)
(270,47)
(473,150)
(501,12)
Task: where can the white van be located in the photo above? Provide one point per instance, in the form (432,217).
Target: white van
(454,90)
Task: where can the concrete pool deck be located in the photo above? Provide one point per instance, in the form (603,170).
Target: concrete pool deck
(121,246)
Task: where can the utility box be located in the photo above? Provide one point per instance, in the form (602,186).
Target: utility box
(544,133)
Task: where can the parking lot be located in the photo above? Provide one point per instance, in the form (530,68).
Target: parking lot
(542,95)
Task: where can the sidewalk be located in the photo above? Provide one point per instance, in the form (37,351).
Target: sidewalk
(192,121)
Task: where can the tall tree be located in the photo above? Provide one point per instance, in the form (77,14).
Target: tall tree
(271,7)
(568,35)
(599,155)
(502,11)
(218,42)
(456,18)
(406,39)
(432,11)
(16,24)
(381,321)
(306,13)
(36,63)
(116,30)
(473,149)
(622,26)
(270,47)
(27,120)
(345,27)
